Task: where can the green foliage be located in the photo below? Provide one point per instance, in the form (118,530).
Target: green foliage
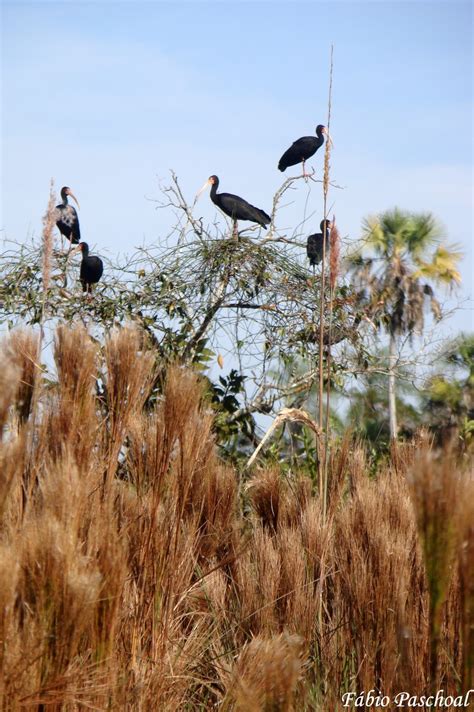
(448,399)
(203,292)
(232,421)
(396,232)
(195,293)
(368,413)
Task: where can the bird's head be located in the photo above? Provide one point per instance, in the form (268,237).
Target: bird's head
(212,180)
(66,191)
(82,247)
(322,130)
(327,223)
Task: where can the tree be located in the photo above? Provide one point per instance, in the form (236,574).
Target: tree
(202,297)
(448,400)
(368,411)
(397,269)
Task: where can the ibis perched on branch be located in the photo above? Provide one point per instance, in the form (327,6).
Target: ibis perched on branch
(92,267)
(302,149)
(235,207)
(314,246)
(67,221)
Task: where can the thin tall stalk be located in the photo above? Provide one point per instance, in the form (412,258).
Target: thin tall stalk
(334,245)
(327,153)
(392,399)
(46,267)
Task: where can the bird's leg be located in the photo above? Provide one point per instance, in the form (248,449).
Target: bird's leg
(305,175)
(235,232)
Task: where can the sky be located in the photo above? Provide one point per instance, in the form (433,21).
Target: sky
(107,97)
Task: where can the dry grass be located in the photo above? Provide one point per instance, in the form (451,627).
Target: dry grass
(136,573)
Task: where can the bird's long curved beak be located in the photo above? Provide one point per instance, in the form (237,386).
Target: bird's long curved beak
(75,199)
(75,250)
(201,190)
(331,142)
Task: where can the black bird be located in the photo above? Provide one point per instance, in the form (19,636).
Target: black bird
(235,207)
(302,149)
(67,220)
(92,267)
(314,246)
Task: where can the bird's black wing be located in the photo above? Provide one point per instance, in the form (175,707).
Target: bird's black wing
(92,269)
(300,150)
(99,267)
(68,223)
(314,248)
(76,232)
(239,209)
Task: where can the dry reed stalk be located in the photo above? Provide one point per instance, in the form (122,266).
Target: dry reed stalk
(333,273)
(145,455)
(334,257)
(466,578)
(434,489)
(49,221)
(34,387)
(326,176)
(296,605)
(187,530)
(267,674)
(259,574)
(63,586)
(9,382)
(12,464)
(24,349)
(130,373)
(340,467)
(374,540)
(217,513)
(266,492)
(72,422)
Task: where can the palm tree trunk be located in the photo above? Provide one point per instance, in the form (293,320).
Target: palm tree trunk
(392,403)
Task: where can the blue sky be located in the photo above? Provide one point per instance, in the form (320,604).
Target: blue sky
(106,97)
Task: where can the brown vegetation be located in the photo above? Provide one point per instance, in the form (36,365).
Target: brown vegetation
(138,574)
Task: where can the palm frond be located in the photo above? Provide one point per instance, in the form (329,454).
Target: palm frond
(442,267)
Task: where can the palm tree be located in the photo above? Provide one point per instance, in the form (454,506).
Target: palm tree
(400,264)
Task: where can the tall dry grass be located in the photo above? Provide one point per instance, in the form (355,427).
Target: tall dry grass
(137,573)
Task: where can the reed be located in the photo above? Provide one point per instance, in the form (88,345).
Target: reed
(437,490)
(174,587)
(323,451)
(24,352)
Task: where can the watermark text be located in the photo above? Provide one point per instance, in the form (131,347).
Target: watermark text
(405,700)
